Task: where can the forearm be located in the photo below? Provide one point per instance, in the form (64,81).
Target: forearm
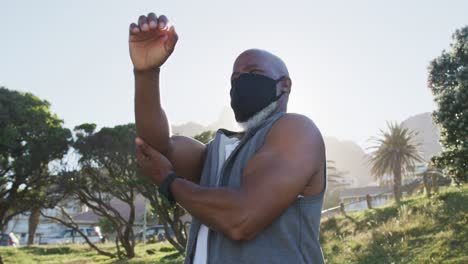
(222,209)
(150,119)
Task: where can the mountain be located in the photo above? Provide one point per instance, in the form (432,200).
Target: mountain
(428,134)
(349,157)
(225,120)
(189,129)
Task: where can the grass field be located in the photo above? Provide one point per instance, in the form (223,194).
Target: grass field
(421,230)
(80,254)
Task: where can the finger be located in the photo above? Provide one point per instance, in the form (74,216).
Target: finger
(143,23)
(146,149)
(172,39)
(173,34)
(134,29)
(162,21)
(139,155)
(152,20)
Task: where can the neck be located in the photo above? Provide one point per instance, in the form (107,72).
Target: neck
(259,117)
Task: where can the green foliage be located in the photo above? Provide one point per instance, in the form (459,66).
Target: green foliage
(420,230)
(30,138)
(394,152)
(205,137)
(106,225)
(448,81)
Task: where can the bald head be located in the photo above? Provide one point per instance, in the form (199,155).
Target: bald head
(260,62)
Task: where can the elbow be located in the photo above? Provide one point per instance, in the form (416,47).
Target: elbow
(241,235)
(242,231)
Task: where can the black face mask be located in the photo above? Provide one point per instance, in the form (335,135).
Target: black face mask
(250,93)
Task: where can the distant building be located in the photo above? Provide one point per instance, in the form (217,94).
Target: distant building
(354,199)
(83,216)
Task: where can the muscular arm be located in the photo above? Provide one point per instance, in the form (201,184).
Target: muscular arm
(151,43)
(185,154)
(151,121)
(291,158)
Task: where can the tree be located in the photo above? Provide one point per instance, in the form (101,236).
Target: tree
(107,228)
(105,177)
(336,180)
(31,137)
(394,152)
(448,81)
(205,137)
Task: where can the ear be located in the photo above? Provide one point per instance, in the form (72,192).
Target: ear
(284,85)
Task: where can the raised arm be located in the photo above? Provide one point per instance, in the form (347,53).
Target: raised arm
(151,42)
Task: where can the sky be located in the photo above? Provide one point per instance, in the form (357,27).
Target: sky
(354,64)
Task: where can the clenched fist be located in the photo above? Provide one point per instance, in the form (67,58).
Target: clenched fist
(151,41)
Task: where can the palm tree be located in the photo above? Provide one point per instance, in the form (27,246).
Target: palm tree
(394,152)
(335,178)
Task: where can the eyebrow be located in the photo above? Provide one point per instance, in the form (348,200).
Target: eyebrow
(250,68)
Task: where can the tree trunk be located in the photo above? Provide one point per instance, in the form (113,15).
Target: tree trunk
(127,240)
(397,184)
(33,222)
(164,217)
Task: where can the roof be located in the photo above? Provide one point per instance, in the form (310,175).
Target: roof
(363,191)
(90,217)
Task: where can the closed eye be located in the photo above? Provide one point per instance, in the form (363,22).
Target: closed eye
(255,71)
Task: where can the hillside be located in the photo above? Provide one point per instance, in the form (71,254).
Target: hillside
(428,134)
(350,158)
(420,231)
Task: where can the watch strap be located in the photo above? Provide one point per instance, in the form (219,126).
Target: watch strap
(165,186)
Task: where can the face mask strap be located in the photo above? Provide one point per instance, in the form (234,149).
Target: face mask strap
(281,93)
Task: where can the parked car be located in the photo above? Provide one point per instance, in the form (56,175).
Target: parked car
(154,233)
(69,236)
(8,240)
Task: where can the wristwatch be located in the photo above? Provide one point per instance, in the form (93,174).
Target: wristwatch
(165,186)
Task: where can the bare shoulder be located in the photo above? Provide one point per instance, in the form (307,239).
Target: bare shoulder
(295,127)
(295,139)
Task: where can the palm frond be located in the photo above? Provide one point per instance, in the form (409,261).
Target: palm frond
(393,148)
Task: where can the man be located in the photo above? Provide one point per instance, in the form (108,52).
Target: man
(255,196)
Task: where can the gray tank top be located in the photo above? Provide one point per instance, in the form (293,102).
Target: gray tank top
(291,238)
